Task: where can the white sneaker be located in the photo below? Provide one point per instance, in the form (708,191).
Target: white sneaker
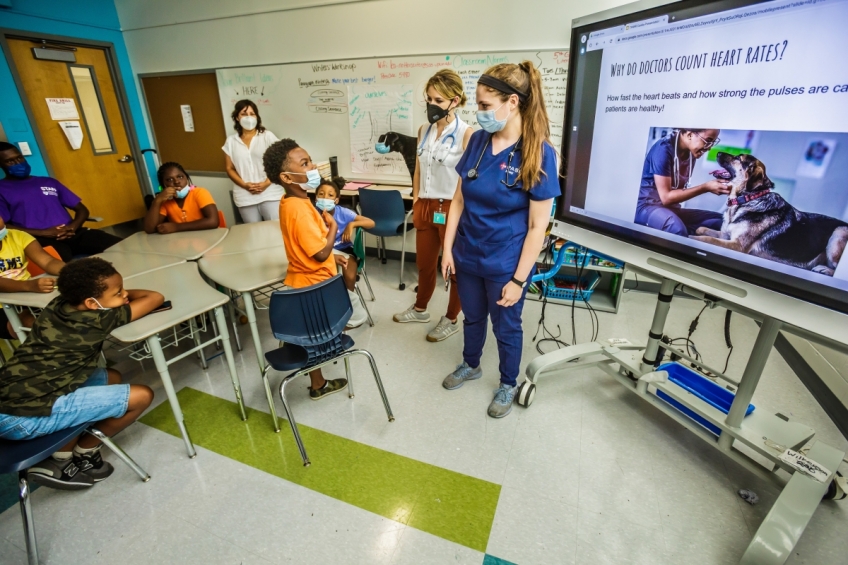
(412,315)
(443,330)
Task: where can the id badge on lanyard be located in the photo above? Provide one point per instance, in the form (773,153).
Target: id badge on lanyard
(439,217)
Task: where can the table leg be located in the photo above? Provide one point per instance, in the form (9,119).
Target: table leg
(250,311)
(232,313)
(196,337)
(228,353)
(15,320)
(162,366)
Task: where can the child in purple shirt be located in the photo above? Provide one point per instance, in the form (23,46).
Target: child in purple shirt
(39,206)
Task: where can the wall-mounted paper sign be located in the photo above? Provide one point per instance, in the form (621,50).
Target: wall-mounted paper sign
(73,132)
(188,119)
(62,109)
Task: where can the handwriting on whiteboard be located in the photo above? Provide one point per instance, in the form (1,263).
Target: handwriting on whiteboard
(372,111)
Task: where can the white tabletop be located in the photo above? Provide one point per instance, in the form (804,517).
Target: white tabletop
(189,245)
(130,264)
(184,287)
(249,237)
(244,272)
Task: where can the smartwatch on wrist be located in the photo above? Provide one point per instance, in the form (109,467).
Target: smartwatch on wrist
(522,284)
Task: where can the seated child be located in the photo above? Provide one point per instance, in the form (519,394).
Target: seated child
(327,199)
(180,206)
(55,379)
(307,235)
(17,249)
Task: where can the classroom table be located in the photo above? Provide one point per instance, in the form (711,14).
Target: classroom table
(244,273)
(190,297)
(29,299)
(130,263)
(249,237)
(188,245)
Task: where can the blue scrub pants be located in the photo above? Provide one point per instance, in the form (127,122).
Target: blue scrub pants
(479,297)
(679,221)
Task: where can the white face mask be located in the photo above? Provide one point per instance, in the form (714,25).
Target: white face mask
(99,306)
(248,122)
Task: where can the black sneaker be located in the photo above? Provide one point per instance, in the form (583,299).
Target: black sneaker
(330,386)
(94,466)
(62,475)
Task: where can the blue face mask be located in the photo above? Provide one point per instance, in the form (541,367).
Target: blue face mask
(382,148)
(326,204)
(183,192)
(313,179)
(18,170)
(489,122)
(3,233)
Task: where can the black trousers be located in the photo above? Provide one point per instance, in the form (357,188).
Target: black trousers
(84,242)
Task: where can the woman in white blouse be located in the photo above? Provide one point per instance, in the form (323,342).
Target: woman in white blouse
(256,197)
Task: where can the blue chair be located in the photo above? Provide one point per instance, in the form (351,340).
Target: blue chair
(18,456)
(309,322)
(385,207)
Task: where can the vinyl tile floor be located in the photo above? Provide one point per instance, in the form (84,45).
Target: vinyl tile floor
(588,474)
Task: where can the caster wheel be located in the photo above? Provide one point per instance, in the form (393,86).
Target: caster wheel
(242,319)
(402,286)
(526,393)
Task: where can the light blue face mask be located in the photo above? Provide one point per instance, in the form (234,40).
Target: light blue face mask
(183,192)
(326,204)
(313,179)
(3,233)
(488,121)
(382,148)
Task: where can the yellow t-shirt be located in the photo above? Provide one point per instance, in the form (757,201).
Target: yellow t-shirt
(13,261)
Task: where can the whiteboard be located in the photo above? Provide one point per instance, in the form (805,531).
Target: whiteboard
(310,102)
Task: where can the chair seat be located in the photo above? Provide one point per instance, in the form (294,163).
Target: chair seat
(291,357)
(18,455)
(389,231)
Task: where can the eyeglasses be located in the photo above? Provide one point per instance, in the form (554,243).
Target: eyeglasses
(708,144)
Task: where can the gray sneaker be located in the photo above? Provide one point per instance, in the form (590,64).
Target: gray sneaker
(443,330)
(411,315)
(462,373)
(502,403)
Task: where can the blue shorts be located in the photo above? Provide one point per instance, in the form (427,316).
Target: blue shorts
(92,402)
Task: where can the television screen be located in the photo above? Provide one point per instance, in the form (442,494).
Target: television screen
(717,133)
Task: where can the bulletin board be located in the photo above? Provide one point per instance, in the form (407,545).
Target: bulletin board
(197,151)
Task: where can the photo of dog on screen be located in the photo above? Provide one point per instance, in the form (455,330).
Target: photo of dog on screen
(741,190)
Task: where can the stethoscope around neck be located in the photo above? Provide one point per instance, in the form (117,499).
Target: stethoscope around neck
(451,136)
(473,174)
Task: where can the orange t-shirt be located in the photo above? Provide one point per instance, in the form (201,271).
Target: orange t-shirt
(304,235)
(196,200)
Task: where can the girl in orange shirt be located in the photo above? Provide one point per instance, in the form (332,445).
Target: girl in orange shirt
(180,206)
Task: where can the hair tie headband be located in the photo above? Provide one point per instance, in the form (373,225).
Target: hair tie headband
(498,84)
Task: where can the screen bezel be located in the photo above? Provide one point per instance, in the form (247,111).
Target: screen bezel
(809,291)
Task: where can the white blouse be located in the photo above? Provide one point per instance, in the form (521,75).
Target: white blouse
(438,159)
(248,164)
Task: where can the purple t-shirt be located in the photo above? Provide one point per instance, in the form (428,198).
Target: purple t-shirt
(36,203)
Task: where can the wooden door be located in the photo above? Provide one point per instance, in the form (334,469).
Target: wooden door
(102,171)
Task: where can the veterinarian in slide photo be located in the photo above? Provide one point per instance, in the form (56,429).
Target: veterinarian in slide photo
(508,178)
(665,179)
(440,147)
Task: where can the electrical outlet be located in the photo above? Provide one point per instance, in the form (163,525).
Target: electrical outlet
(24,147)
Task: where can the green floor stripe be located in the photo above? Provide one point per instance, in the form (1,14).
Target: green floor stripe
(450,505)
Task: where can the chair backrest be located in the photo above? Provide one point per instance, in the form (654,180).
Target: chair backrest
(34,270)
(222,221)
(359,248)
(312,317)
(385,207)
(18,455)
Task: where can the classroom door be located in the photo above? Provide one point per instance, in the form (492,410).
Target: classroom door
(83,100)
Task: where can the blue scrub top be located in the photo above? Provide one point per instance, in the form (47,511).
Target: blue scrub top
(494,221)
(660,161)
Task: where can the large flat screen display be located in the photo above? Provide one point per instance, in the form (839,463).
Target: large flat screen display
(717,133)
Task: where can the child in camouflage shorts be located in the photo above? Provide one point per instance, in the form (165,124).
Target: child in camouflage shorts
(55,379)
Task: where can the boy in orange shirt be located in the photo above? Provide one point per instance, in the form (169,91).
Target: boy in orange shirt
(308,236)
(180,206)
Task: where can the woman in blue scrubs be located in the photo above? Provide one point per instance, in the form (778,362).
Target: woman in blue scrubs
(665,184)
(508,178)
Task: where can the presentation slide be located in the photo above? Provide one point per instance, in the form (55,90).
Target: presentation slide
(727,132)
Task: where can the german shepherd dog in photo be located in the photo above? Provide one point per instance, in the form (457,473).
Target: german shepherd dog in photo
(761,223)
